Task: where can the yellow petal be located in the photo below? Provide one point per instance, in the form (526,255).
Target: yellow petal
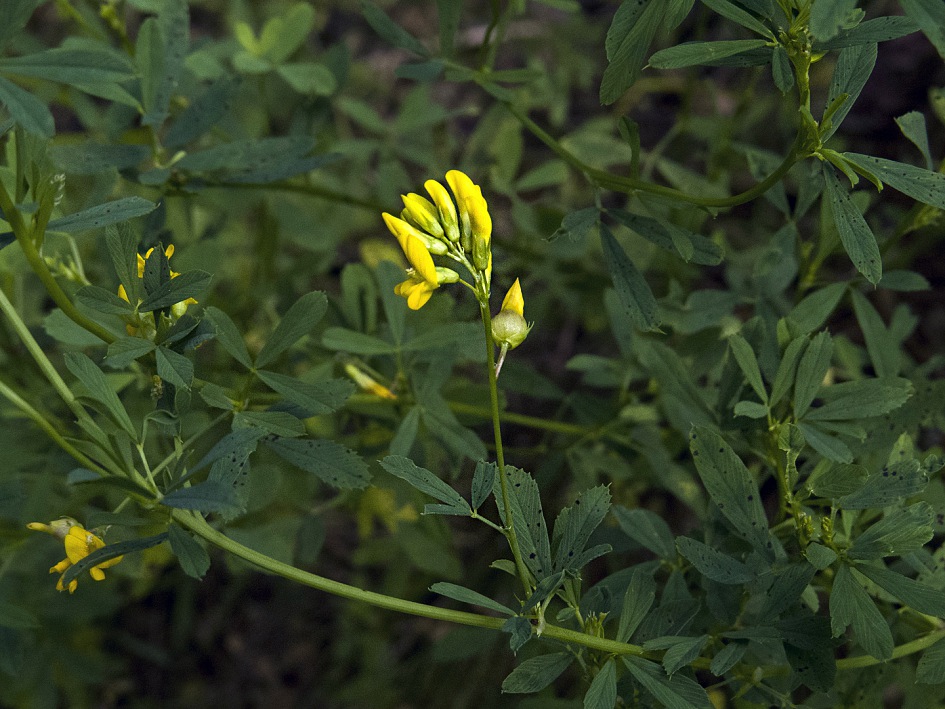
(423,213)
(122,293)
(40,527)
(97,573)
(419,296)
(514,300)
(60,567)
(446,208)
(472,205)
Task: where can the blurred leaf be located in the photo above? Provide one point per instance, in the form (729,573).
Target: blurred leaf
(482,483)
(389,31)
(602,693)
(676,692)
(26,109)
(714,564)
(828,17)
(466,595)
(193,558)
(667,236)
(229,336)
(850,604)
(912,125)
(174,368)
(317,398)
(536,673)
(202,113)
(15,15)
(646,529)
(208,496)
(922,185)
(858,239)
(929,15)
(343,339)
(693,53)
(914,594)
(298,321)
(12,616)
(110,551)
(811,371)
(629,284)
(854,66)
(94,381)
(898,532)
(631,32)
(79,67)
(578,522)
(331,462)
(726,658)
(448,14)
(308,78)
(730,485)
(102,215)
(187,285)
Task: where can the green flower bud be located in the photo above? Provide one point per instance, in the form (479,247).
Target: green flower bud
(509,328)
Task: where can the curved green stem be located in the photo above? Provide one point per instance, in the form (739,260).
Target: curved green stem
(909,648)
(618,183)
(201,528)
(36,417)
(25,239)
(65,393)
(499,454)
(305,189)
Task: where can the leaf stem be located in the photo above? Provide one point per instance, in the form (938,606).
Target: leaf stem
(619,183)
(25,239)
(499,454)
(201,528)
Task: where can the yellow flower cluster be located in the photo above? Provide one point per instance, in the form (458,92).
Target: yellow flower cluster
(79,543)
(454,223)
(457,226)
(142,324)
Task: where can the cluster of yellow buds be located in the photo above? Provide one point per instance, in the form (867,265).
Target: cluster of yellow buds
(459,227)
(79,543)
(142,324)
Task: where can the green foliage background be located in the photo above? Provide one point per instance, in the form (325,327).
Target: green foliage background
(735,390)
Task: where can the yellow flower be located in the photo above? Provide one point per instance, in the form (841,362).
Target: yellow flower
(368,383)
(79,543)
(514,300)
(509,328)
(144,322)
(473,210)
(422,277)
(445,207)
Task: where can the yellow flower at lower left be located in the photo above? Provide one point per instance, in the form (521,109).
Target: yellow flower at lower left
(79,543)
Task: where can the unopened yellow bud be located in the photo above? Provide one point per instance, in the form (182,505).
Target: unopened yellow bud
(473,216)
(423,214)
(447,210)
(514,300)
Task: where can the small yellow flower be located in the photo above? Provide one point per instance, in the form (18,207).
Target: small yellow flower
(79,543)
(444,205)
(473,210)
(144,322)
(422,280)
(514,300)
(509,328)
(367,383)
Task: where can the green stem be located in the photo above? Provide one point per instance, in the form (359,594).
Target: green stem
(50,430)
(305,189)
(917,645)
(42,360)
(618,183)
(25,239)
(200,527)
(499,454)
